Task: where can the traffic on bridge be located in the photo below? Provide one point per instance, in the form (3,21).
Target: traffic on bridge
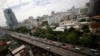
(52,46)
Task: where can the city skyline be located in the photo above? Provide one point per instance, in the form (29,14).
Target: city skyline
(25,8)
(50,28)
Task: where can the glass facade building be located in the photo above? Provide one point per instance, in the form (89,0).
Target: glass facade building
(10,18)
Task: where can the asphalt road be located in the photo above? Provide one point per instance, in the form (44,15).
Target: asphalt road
(54,49)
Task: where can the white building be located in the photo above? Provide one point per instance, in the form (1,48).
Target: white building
(77,13)
(30,23)
(56,17)
(71,23)
(83,13)
(42,19)
(59,29)
(72,13)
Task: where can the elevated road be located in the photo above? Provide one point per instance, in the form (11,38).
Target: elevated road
(54,49)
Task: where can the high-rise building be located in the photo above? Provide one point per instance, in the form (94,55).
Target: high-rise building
(10,18)
(84,11)
(94,9)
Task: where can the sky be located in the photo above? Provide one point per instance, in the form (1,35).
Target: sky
(25,8)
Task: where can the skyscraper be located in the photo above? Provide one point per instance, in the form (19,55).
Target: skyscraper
(10,18)
(94,9)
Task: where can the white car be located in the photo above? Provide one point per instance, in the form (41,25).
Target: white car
(77,48)
(93,50)
(48,48)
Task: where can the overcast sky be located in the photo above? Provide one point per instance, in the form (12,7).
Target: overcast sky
(25,8)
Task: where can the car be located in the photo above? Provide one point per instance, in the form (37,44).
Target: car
(53,43)
(68,46)
(58,45)
(97,53)
(63,44)
(93,50)
(73,46)
(77,48)
(45,39)
(82,48)
(48,48)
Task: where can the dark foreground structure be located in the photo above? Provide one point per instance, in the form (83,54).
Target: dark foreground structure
(94,7)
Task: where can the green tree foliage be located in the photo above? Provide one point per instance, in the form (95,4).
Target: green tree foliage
(86,39)
(85,28)
(48,29)
(73,37)
(22,30)
(94,20)
(71,29)
(4,50)
(44,23)
(70,36)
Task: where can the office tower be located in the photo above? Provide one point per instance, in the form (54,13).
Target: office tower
(94,9)
(10,18)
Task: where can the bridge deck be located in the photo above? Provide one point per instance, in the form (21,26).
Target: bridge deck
(54,49)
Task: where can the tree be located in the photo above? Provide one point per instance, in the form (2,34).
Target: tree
(48,29)
(71,29)
(22,30)
(62,38)
(85,28)
(44,23)
(4,50)
(86,39)
(73,37)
